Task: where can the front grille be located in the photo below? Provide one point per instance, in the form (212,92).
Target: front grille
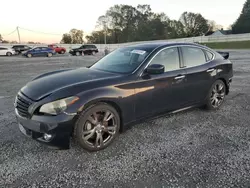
(22,106)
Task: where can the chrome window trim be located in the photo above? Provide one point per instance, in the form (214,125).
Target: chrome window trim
(178,46)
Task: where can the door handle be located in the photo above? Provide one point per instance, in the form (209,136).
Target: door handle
(179,77)
(210,70)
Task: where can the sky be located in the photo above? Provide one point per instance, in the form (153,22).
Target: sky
(59,16)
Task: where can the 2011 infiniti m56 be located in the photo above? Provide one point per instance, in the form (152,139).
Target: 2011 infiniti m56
(93,104)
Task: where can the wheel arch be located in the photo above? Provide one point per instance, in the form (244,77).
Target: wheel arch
(109,102)
(225,82)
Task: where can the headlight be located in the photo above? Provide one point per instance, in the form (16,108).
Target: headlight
(58,106)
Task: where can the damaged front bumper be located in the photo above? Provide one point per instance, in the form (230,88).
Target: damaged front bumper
(54,131)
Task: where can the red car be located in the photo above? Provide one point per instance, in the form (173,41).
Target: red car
(59,50)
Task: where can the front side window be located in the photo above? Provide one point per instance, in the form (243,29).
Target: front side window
(193,56)
(169,58)
(123,60)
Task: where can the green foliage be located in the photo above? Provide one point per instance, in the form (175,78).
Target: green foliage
(75,36)
(125,23)
(242,24)
(194,24)
(66,38)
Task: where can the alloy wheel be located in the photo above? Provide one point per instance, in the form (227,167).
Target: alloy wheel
(217,95)
(99,129)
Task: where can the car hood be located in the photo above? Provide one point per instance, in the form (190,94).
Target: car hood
(48,83)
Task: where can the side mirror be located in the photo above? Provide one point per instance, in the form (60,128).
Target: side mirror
(155,69)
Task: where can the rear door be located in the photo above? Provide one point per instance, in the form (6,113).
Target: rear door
(200,73)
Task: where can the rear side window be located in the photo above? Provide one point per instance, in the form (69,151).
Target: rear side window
(193,56)
(210,56)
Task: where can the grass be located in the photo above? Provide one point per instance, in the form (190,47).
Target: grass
(229,45)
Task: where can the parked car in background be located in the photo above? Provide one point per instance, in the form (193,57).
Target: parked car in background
(7,51)
(132,83)
(59,50)
(40,51)
(86,49)
(21,48)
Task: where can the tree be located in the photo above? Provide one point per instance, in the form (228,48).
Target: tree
(76,36)
(125,23)
(66,39)
(213,26)
(194,24)
(1,38)
(242,24)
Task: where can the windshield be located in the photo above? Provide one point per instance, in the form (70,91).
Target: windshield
(123,60)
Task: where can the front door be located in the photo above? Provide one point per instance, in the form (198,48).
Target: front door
(161,92)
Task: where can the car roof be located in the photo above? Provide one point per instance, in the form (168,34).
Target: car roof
(155,45)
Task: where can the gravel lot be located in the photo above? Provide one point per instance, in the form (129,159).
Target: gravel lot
(194,148)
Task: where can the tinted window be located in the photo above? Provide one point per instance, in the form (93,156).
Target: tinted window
(209,55)
(169,58)
(193,56)
(123,60)
(45,48)
(3,48)
(83,47)
(37,49)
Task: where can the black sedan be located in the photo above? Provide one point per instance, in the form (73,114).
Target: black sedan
(94,104)
(86,49)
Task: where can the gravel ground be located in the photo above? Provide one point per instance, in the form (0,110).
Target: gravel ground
(194,148)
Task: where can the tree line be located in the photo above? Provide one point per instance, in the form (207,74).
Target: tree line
(125,23)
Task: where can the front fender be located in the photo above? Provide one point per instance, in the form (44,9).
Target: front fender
(122,98)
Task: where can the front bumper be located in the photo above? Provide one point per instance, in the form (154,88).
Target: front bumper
(59,127)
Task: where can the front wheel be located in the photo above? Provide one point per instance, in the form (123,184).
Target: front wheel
(97,127)
(78,54)
(49,54)
(62,52)
(216,95)
(29,55)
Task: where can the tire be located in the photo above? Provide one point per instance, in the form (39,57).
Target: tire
(29,55)
(49,55)
(93,52)
(78,54)
(9,54)
(216,95)
(92,122)
(62,52)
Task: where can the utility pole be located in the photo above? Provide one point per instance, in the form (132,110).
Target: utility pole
(18,34)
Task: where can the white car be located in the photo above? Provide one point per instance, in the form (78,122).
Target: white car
(7,51)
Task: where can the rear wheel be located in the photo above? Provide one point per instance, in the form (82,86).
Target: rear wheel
(93,52)
(9,54)
(62,52)
(78,54)
(97,127)
(216,95)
